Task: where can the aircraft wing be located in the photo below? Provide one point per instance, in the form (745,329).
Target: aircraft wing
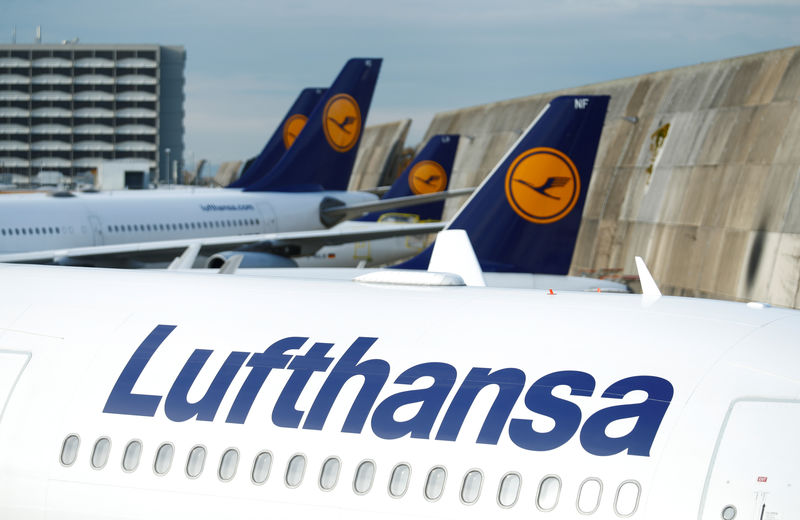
(336,213)
(295,243)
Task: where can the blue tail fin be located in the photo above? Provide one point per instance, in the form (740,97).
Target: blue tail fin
(429,172)
(525,215)
(322,156)
(282,139)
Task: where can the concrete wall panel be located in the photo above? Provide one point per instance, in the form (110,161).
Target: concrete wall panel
(715,212)
(379,146)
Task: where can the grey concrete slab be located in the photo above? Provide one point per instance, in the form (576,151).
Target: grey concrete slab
(785,280)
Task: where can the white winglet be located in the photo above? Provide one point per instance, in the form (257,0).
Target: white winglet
(453,253)
(231,264)
(186,260)
(650,292)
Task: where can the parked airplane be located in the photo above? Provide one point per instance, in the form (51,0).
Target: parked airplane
(429,172)
(526,214)
(536,193)
(118,228)
(151,395)
(513,249)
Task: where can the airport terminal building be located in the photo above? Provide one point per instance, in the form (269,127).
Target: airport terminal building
(66,108)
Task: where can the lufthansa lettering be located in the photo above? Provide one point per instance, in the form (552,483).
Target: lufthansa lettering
(430,402)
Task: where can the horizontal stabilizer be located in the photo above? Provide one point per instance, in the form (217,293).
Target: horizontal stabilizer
(335,214)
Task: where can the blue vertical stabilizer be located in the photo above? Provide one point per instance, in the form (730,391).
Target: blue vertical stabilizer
(525,215)
(322,156)
(281,140)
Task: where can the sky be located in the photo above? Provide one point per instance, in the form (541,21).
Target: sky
(247,60)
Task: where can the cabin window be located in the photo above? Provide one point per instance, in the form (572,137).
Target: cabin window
(627,499)
(100,452)
(398,483)
(434,485)
(365,474)
(261,466)
(69,450)
(508,493)
(195,462)
(471,487)
(589,495)
(295,471)
(130,459)
(163,459)
(329,474)
(228,464)
(728,513)
(549,490)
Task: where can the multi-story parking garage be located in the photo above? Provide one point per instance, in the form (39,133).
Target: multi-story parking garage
(67,108)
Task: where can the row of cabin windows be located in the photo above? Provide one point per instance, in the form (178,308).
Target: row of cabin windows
(626,500)
(30,231)
(121,228)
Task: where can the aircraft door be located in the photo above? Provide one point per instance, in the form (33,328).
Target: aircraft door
(753,474)
(361,251)
(97,230)
(11,366)
(269,222)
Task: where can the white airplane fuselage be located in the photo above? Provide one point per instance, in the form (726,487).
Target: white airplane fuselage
(368,253)
(37,223)
(469,403)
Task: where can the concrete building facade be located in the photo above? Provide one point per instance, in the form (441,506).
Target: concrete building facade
(698,172)
(68,107)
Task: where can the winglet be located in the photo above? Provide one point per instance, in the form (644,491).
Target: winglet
(650,291)
(231,265)
(186,260)
(453,253)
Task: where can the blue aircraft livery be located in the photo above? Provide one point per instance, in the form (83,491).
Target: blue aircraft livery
(429,172)
(535,194)
(511,382)
(277,145)
(322,156)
